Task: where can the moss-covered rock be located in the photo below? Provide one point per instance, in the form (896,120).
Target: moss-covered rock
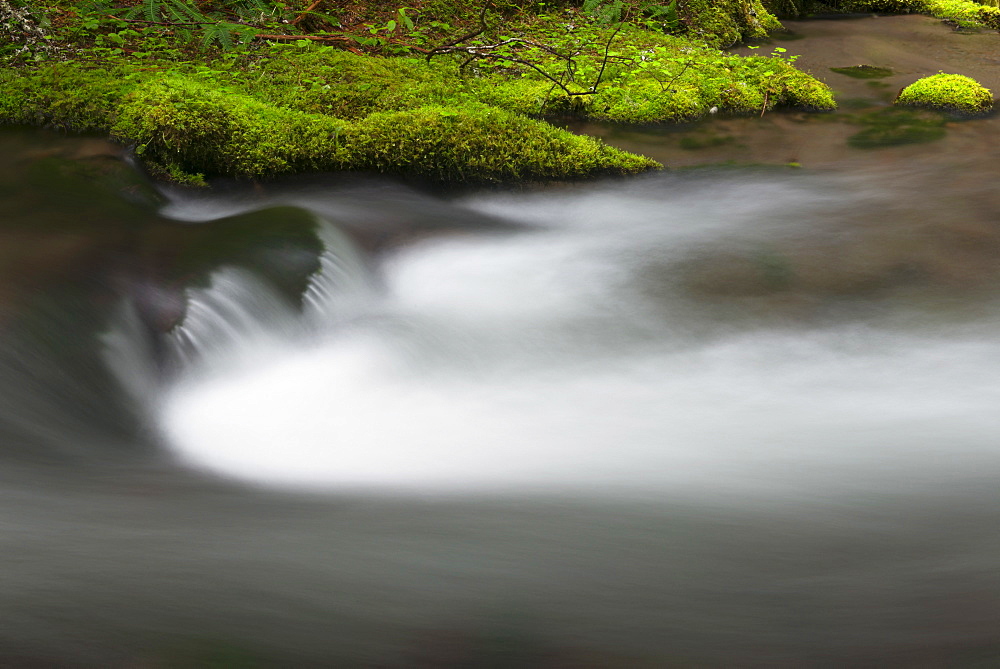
(726,22)
(963,12)
(800,90)
(479,143)
(744,86)
(185,128)
(63,96)
(185,124)
(200,128)
(950,92)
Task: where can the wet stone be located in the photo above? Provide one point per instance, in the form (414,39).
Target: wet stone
(894,127)
(863,71)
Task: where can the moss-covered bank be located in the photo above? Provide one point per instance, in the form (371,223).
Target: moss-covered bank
(320,108)
(448,115)
(964,12)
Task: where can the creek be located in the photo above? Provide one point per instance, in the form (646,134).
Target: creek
(732,414)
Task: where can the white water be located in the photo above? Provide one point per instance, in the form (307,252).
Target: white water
(542,361)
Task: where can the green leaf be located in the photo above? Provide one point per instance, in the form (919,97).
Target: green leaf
(407,21)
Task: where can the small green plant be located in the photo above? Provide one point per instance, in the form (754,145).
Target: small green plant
(663,18)
(774,77)
(604,13)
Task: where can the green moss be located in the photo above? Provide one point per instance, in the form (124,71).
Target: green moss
(646,102)
(479,143)
(64,96)
(950,92)
(183,128)
(726,22)
(532,97)
(801,90)
(881,6)
(351,86)
(668,79)
(677,80)
(186,124)
(963,12)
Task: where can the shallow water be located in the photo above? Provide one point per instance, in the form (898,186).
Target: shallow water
(737,415)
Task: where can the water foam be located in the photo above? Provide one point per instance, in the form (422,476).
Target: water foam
(531,361)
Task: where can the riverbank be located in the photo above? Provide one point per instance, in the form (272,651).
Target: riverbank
(444,92)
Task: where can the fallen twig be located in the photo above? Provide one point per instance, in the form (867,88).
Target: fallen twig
(308,9)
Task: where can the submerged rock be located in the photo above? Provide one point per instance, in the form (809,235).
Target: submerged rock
(863,71)
(896,126)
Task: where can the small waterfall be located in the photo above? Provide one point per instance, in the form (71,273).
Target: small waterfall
(237,307)
(344,287)
(239,315)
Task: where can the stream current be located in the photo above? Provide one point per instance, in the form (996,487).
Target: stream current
(732,415)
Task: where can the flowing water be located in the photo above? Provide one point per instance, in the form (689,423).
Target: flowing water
(732,415)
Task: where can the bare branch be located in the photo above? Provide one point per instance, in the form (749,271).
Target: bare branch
(607,50)
(305,13)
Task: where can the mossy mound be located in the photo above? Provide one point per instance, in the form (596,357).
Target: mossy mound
(184,128)
(677,81)
(479,143)
(726,22)
(189,126)
(948,92)
(63,96)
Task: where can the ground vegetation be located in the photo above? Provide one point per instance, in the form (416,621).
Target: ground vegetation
(451,90)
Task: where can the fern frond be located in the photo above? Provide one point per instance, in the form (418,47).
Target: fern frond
(183,11)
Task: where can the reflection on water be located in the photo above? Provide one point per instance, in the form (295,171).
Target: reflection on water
(715,417)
